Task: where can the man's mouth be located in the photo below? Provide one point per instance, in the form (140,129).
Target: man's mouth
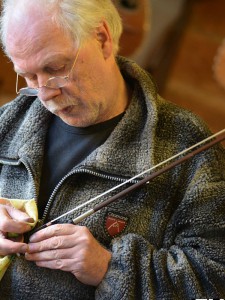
(66,110)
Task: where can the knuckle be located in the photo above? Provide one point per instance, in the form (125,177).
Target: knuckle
(84,232)
(41,246)
(56,242)
(58,227)
(54,254)
(53,230)
(84,229)
(87,243)
(85,237)
(59,264)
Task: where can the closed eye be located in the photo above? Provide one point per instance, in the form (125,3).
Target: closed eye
(55,71)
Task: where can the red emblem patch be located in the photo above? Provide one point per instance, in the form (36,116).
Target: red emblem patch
(115,224)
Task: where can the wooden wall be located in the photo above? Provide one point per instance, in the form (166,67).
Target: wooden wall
(191,82)
(7,79)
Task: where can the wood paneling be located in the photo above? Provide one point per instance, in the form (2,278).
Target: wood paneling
(7,79)
(191,82)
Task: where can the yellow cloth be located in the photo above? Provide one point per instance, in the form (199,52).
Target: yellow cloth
(27,206)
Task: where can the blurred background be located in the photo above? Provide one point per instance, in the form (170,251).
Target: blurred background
(181,42)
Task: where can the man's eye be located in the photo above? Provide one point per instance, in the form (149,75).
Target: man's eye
(58,70)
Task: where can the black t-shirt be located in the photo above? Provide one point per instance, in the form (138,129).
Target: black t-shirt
(66,146)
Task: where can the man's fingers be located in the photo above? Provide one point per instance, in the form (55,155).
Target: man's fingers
(9,247)
(18,215)
(53,254)
(12,220)
(52,231)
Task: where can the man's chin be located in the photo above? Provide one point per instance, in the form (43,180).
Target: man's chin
(75,120)
(69,117)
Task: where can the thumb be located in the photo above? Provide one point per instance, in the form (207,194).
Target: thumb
(18,215)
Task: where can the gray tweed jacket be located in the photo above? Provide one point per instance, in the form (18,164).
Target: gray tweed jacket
(167,238)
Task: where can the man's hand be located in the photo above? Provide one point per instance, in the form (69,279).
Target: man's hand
(70,248)
(12,221)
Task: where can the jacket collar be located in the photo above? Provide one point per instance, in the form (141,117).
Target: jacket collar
(24,123)
(129,149)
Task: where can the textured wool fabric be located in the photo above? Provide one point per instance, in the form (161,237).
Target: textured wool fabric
(172,244)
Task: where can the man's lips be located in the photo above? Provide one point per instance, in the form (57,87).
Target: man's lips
(66,110)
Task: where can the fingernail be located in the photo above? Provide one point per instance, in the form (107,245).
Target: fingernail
(29,220)
(32,237)
(25,248)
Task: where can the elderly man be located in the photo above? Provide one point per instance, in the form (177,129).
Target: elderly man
(87,121)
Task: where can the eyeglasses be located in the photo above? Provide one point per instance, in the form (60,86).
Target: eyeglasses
(52,83)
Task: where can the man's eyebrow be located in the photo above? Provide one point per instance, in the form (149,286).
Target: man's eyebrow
(54,59)
(48,62)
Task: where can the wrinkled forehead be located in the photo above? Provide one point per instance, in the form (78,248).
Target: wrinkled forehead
(30,33)
(29,40)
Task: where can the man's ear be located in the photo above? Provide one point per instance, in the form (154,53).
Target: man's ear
(103,36)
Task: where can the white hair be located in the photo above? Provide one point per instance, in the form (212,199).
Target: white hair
(78,18)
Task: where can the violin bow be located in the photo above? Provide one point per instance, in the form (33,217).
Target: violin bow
(202,146)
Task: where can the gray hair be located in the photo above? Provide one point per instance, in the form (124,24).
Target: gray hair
(78,18)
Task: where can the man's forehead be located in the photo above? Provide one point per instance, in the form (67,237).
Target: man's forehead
(44,50)
(31,35)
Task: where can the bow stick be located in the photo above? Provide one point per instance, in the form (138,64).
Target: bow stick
(203,145)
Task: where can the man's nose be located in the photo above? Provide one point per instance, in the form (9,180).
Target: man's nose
(46,93)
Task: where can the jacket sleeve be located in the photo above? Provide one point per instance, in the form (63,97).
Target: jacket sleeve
(190,262)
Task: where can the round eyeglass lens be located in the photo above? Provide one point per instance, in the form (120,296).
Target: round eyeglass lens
(57,82)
